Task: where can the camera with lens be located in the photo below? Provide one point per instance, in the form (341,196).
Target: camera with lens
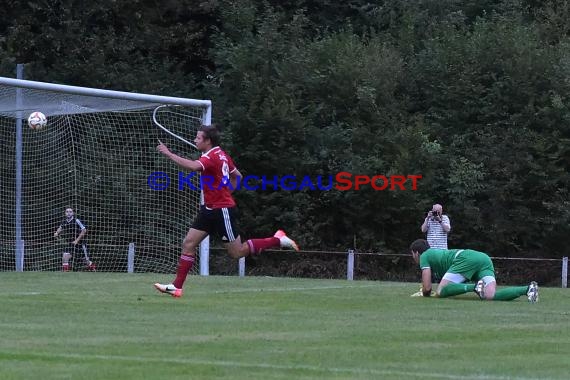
(436,215)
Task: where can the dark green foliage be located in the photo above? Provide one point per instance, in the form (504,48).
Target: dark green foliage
(472,95)
(147,45)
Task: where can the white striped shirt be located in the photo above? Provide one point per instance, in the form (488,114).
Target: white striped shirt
(436,235)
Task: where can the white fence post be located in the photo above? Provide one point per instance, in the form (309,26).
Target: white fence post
(205,257)
(565,272)
(131,258)
(241,269)
(350,265)
(20,256)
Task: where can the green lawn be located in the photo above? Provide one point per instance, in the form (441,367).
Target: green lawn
(116,326)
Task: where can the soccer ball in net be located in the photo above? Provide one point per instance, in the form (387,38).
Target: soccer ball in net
(37,120)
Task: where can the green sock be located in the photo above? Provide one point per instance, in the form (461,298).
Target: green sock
(511,293)
(456,289)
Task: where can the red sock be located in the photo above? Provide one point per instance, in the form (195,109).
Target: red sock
(185,263)
(256,246)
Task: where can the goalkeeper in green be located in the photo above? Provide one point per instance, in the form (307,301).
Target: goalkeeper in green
(454,267)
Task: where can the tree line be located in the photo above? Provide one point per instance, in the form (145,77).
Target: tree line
(472,95)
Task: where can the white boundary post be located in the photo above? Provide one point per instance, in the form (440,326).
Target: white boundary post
(20,259)
(350,265)
(131,258)
(205,257)
(241,268)
(565,272)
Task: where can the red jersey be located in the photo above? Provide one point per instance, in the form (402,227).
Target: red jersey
(217,166)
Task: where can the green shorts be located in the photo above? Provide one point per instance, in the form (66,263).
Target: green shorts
(473,265)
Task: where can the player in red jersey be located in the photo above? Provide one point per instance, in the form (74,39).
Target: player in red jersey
(218,214)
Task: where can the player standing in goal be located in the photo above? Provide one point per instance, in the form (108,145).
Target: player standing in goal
(73,232)
(218,214)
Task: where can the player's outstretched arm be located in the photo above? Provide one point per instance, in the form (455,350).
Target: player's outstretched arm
(184,163)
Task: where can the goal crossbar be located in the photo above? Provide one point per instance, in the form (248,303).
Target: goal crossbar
(87,91)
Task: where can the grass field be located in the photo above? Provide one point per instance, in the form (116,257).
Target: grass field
(116,326)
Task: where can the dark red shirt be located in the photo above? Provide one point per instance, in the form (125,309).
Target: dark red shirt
(217,166)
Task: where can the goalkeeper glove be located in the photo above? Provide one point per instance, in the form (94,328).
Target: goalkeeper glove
(420,293)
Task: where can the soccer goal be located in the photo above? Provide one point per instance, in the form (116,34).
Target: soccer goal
(97,154)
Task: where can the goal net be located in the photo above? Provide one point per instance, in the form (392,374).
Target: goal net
(96,155)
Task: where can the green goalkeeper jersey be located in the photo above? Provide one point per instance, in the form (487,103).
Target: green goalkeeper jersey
(471,264)
(438,260)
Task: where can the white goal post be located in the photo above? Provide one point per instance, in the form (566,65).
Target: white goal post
(97,155)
